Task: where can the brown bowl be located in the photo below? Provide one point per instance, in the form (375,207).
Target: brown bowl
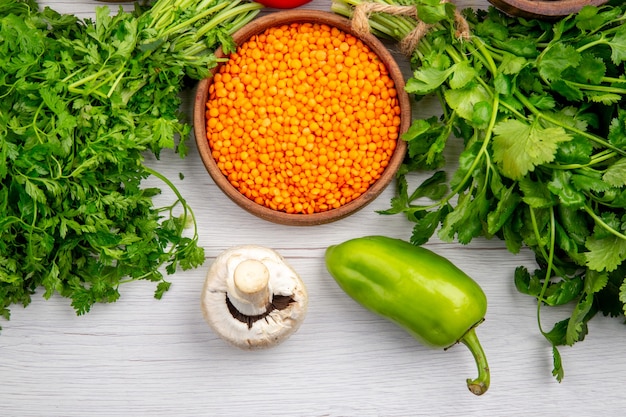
(543,9)
(256,27)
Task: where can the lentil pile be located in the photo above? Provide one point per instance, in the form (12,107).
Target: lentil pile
(303,118)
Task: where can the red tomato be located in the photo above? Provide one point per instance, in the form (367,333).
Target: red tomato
(283,4)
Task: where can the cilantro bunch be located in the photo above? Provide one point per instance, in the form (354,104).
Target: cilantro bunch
(539,108)
(81,105)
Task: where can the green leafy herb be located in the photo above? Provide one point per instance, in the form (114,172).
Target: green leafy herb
(538,106)
(82,102)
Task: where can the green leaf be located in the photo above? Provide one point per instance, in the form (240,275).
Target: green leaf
(556,59)
(433,188)
(591,70)
(561,186)
(512,64)
(567,89)
(557,292)
(426,224)
(590,182)
(618,45)
(542,102)
(564,291)
(608,223)
(557,370)
(503,84)
(556,336)
(565,242)
(417,128)
(124,39)
(615,174)
(463,100)
(193,255)
(576,151)
(595,281)
(462,73)
(575,223)
(34,192)
(526,283)
(162,288)
(482,114)
(465,221)
(492,29)
(507,204)
(512,238)
(622,295)
(519,147)
(427,80)
(605,254)
(400,201)
(577,325)
(467,160)
(432,11)
(426,139)
(588,18)
(617,129)
(163,130)
(535,195)
(603,98)
(608,299)
(572,116)
(522,47)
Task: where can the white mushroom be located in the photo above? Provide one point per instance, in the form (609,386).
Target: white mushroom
(252,298)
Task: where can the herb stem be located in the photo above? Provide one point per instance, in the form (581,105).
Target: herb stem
(614,80)
(117,81)
(602,224)
(195,18)
(548,118)
(600,157)
(186,208)
(73,88)
(549,257)
(602,88)
(381,24)
(226,14)
(600,41)
(485,55)
(482,153)
(483,149)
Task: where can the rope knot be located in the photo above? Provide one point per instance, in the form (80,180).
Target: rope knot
(361,26)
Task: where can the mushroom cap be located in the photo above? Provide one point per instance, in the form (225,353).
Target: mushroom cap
(263,330)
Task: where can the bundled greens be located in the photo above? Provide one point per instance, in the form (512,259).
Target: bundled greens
(539,108)
(81,104)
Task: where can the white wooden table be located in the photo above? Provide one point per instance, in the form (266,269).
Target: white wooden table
(143,357)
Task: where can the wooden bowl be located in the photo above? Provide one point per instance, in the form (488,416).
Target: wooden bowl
(256,27)
(543,9)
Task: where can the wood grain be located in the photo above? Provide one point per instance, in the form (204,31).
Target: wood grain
(143,357)
(550,9)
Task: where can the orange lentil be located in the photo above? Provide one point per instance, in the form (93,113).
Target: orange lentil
(303,118)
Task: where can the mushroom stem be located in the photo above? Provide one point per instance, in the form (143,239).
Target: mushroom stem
(250,292)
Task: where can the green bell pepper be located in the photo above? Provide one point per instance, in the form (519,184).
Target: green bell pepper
(419,290)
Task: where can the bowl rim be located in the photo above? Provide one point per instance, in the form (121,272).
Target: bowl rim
(548,9)
(298,219)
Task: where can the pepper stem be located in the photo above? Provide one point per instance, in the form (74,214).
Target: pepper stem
(479,385)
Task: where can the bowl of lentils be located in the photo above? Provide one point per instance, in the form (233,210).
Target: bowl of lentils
(302,124)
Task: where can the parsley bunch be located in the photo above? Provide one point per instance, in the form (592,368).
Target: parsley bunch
(81,103)
(539,108)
